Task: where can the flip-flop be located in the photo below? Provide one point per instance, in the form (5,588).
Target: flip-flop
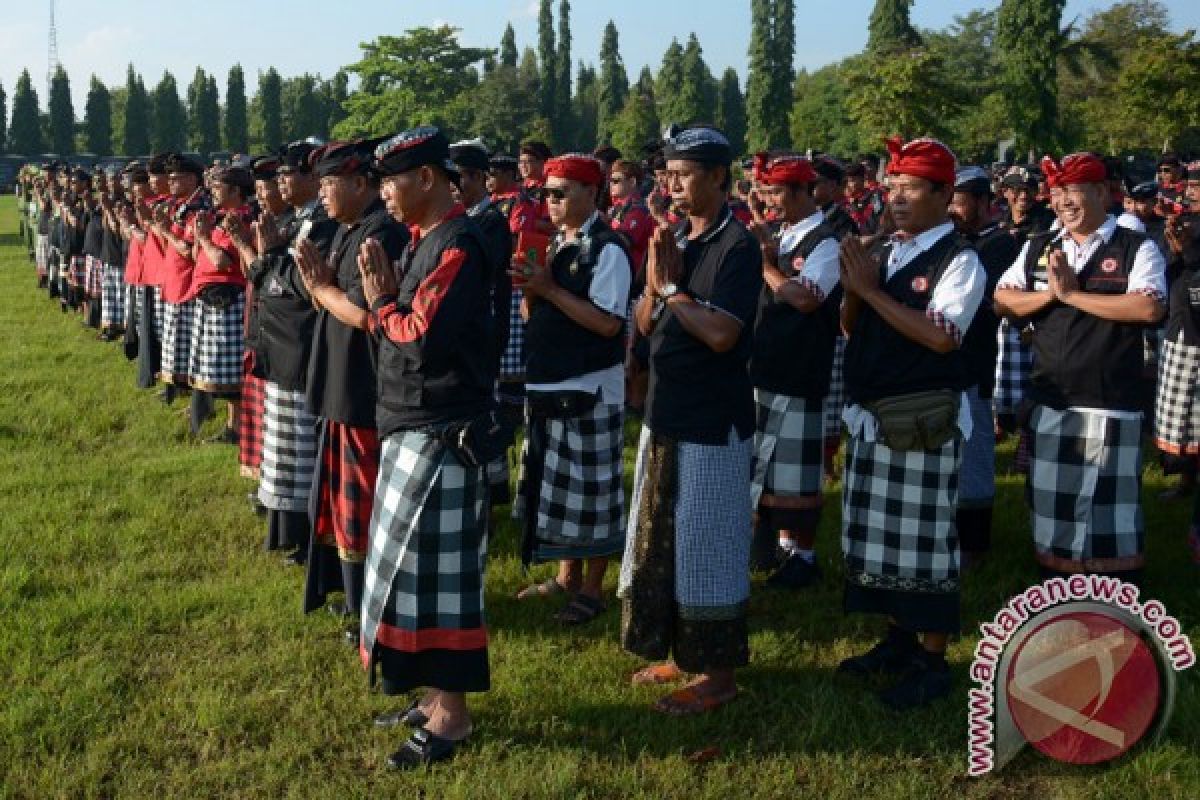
(658,675)
(547,588)
(687,701)
(582,609)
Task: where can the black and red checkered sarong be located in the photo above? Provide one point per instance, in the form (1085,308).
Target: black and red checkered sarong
(347,464)
(250,422)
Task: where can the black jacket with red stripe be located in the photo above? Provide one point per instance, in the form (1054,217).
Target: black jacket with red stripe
(435,364)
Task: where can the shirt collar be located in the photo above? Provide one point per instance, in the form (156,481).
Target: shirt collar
(584,230)
(1105,231)
(926,239)
(480,207)
(792,234)
(714,230)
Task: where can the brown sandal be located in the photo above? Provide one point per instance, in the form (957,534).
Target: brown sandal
(547,588)
(658,675)
(688,701)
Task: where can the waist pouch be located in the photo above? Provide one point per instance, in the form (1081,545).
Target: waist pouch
(220,295)
(479,441)
(561,405)
(917,421)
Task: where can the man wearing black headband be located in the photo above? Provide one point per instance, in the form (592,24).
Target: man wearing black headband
(971,212)
(423,616)
(341,386)
(685,578)
(473,163)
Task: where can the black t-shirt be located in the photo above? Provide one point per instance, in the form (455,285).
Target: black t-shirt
(696,394)
(341,374)
(93,234)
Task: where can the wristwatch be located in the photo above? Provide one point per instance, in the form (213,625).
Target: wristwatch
(667,291)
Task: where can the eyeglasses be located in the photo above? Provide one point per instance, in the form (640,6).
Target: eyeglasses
(553,193)
(618,178)
(1166,169)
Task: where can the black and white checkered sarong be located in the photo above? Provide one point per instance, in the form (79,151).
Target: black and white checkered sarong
(1177,404)
(1085,483)
(512,360)
(289,455)
(579,484)
(160,311)
(835,401)
(1013,365)
(788,447)
(112,297)
(898,511)
(174,358)
(428,547)
(217,346)
(93,282)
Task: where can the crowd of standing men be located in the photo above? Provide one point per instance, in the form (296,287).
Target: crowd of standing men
(381,315)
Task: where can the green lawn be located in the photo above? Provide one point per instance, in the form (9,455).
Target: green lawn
(151,648)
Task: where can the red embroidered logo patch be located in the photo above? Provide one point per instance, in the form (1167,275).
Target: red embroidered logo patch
(920,283)
(798,262)
(1108,265)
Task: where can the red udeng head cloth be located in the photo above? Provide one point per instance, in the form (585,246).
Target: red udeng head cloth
(1074,169)
(921,158)
(783,170)
(576,167)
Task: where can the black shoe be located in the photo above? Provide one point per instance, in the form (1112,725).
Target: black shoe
(764,549)
(412,716)
(296,558)
(421,749)
(927,679)
(796,573)
(227,436)
(255,506)
(891,656)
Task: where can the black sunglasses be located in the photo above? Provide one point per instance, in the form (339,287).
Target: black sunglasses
(552,193)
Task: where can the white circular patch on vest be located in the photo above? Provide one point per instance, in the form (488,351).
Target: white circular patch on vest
(920,283)
(798,262)
(1109,265)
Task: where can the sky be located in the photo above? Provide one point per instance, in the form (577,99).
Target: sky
(319,36)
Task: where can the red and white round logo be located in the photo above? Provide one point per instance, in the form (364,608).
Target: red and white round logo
(1108,265)
(920,284)
(798,262)
(1083,688)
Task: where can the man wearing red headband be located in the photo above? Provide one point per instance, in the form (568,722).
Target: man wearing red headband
(1177,413)
(570,497)
(791,364)
(1090,290)
(905,316)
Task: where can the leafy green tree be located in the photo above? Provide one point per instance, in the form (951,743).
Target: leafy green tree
(548,69)
(266,111)
(819,120)
(97,119)
(564,122)
(889,29)
(697,99)
(968,52)
(169,131)
(587,94)
(508,47)
(62,114)
(333,94)
(304,112)
(614,83)
(903,93)
(667,84)
(138,118)
(769,85)
(1160,104)
(204,114)
(1027,32)
(25,132)
(410,80)
(504,108)
(3,120)
(236,129)
(636,125)
(731,110)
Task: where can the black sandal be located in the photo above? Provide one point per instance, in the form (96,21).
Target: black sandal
(412,716)
(422,749)
(581,610)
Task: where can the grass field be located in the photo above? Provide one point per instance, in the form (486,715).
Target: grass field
(151,648)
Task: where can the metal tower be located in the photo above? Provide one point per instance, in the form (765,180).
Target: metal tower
(52,51)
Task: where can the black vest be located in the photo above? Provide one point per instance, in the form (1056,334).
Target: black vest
(448,373)
(880,361)
(557,348)
(793,351)
(997,249)
(1080,359)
